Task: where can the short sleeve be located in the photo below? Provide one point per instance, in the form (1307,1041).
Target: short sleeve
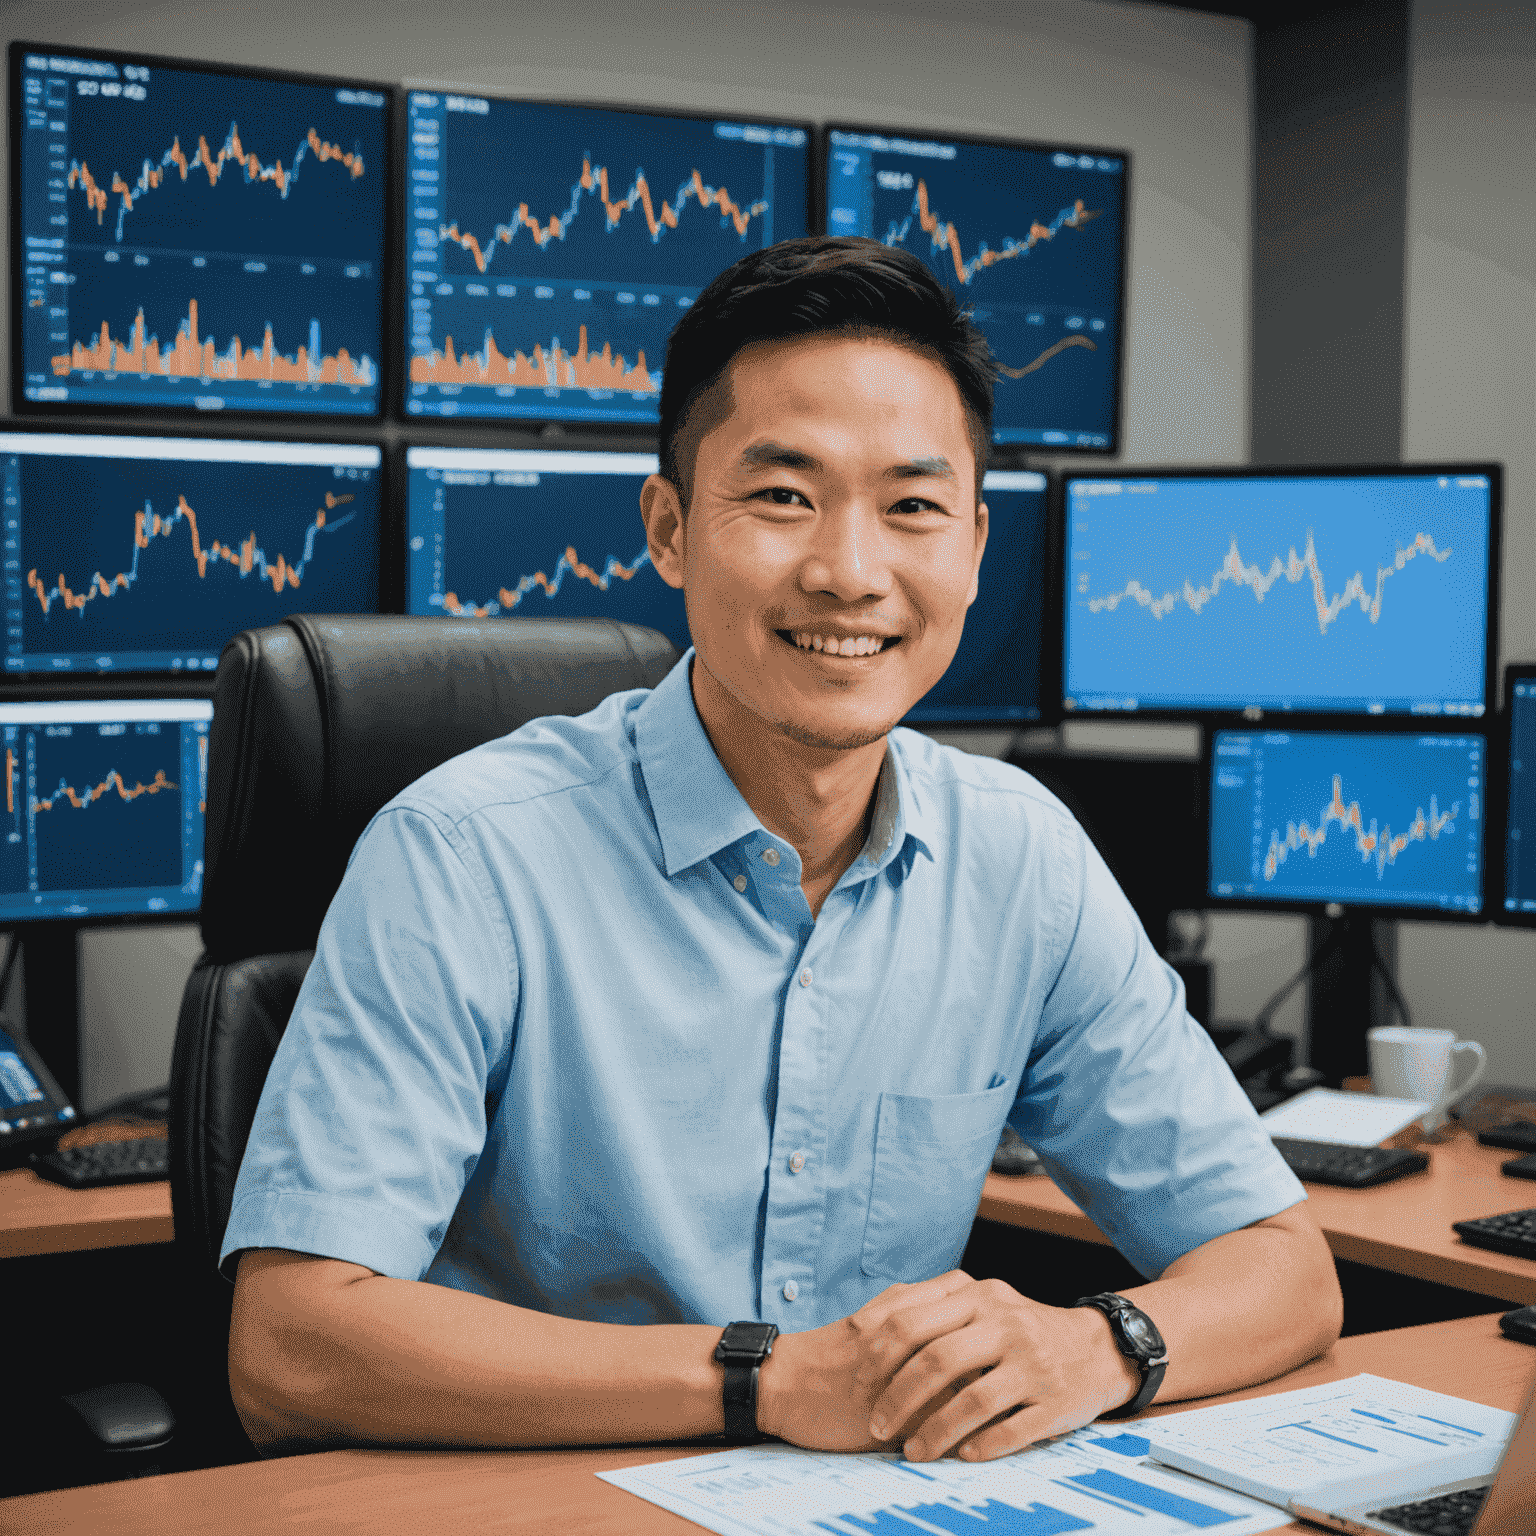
(374,1111)
(1128,1102)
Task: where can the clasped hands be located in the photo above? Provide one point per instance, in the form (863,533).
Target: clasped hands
(948,1366)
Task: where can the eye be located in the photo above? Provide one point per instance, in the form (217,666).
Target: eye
(781,496)
(914,504)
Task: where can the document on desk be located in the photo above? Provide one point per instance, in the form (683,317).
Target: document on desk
(1095,1479)
(1346,1435)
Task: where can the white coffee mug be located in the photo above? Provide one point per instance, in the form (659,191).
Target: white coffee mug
(1420,1064)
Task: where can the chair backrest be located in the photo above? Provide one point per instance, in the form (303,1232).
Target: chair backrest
(317,724)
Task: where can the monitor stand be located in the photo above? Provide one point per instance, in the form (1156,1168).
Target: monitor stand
(1341,995)
(50,959)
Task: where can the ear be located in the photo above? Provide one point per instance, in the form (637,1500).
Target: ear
(666,530)
(982,517)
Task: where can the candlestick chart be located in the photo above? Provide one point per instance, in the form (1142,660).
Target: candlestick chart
(1359,593)
(134,564)
(259,201)
(1030,240)
(551,538)
(551,249)
(1317,817)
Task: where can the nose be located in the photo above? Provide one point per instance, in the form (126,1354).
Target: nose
(847,555)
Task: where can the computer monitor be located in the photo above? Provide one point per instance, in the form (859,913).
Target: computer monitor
(104,806)
(550,249)
(1367,820)
(192,238)
(1366,592)
(1518,907)
(998,674)
(496,532)
(1031,237)
(131,553)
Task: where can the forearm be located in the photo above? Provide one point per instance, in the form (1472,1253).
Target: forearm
(339,1355)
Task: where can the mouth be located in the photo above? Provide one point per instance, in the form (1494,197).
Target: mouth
(823,644)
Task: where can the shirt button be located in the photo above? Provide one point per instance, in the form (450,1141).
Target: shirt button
(740,882)
(805,977)
(791,1290)
(771,857)
(796,1161)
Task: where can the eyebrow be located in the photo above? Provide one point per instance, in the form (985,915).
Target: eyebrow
(936,467)
(777,456)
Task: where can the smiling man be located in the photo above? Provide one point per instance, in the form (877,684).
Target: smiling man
(708,1008)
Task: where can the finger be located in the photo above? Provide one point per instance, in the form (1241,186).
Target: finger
(994,1395)
(952,1362)
(1013,1432)
(907,1329)
(877,1309)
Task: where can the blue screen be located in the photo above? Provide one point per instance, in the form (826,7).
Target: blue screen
(128,553)
(1369,820)
(537,534)
(1520,829)
(199,240)
(551,249)
(1030,240)
(996,671)
(1359,593)
(104,803)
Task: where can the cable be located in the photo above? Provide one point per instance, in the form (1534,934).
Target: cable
(1316,958)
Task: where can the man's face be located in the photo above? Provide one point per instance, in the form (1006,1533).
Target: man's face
(833,539)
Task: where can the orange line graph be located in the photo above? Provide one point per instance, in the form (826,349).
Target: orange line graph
(570,562)
(638,196)
(245,557)
(192,357)
(555,368)
(1368,841)
(113,780)
(945,236)
(1047,355)
(1294,568)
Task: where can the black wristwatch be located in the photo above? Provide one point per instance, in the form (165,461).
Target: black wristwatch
(1137,1338)
(742,1349)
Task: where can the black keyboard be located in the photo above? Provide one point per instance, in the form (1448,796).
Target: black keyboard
(1327,1162)
(107,1162)
(1513,1232)
(1517,1135)
(1447,1514)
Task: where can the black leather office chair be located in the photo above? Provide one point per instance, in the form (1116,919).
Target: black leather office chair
(318,723)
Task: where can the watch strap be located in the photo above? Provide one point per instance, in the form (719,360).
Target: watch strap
(741,1403)
(1152,1368)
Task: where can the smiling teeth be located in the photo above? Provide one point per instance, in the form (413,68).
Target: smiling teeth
(863,645)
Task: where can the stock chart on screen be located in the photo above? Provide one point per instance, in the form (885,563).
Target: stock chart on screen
(501,532)
(996,673)
(196,240)
(1362,819)
(1520,824)
(127,553)
(1365,594)
(550,249)
(104,806)
(1030,239)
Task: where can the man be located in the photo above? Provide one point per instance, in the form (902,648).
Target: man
(708,1007)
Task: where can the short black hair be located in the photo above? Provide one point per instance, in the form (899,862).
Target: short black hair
(810,287)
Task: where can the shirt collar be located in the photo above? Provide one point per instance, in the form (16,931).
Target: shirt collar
(699,811)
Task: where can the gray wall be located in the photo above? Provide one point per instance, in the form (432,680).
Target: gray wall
(1172,86)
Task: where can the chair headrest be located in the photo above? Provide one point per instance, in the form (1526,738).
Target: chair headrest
(319,722)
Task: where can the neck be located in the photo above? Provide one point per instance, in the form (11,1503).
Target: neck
(818,799)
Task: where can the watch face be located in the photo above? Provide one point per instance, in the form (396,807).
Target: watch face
(748,1338)
(1140,1331)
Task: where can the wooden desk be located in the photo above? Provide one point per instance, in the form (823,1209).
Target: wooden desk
(542,1491)
(1404,1227)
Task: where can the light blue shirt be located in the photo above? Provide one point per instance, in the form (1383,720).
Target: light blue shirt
(573,1039)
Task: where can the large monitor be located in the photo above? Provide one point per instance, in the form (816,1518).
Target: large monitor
(1518,907)
(1365,592)
(998,675)
(191,238)
(1031,238)
(1362,819)
(104,805)
(499,532)
(126,553)
(550,249)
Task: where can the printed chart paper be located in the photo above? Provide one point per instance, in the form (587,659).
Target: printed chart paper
(1342,1435)
(1094,1479)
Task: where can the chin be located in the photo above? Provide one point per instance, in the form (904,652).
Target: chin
(838,735)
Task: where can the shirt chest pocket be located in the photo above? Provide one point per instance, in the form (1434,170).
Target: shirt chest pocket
(931,1156)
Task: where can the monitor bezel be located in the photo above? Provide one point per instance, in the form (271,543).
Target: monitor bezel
(1387,911)
(22,925)
(17,686)
(1018,451)
(544,428)
(1515,671)
(1237,716)
(64,410)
